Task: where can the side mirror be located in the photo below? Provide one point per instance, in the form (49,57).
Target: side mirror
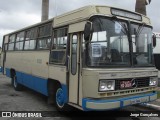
(154,40)
(88,30)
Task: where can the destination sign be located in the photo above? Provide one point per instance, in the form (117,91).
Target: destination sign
(126,14)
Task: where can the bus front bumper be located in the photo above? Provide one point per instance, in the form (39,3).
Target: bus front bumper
(93,105)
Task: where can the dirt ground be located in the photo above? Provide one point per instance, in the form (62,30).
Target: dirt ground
(12,100)
(26,100)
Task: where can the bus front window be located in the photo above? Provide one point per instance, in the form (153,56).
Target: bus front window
(142,45)
(109,45)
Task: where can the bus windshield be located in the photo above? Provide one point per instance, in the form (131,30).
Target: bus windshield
(142,44)
(110,45)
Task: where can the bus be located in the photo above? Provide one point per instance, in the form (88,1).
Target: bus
(93,58)
(156,52)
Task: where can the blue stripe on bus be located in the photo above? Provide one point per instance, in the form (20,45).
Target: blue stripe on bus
(1,68)
(85,100)
(8,72)
(36,83)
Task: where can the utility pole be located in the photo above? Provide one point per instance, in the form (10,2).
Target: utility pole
(141,6)
(45,10)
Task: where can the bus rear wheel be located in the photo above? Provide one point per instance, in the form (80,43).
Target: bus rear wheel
(16,85)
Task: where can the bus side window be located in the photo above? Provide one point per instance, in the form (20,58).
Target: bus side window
(5,43)
(44,43)
(30,40)
(44,37)
(58,52)
(19,41)
(11,42)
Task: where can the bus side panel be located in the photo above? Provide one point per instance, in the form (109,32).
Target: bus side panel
(8,72)
(32,82)
(41,85)
(58,73)
(1,69)
(19,77)
(39,63)
(27,81)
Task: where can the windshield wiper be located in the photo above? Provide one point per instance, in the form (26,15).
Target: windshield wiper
(124,30)
(139,30)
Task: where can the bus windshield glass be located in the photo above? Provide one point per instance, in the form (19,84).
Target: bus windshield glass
(110,44)
(142,45)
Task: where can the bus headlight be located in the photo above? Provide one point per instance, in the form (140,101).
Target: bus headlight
(106,85)
(153,81)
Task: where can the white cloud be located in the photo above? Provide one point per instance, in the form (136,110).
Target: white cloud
(65,6)
(17,20)
(16,14)
(14,21)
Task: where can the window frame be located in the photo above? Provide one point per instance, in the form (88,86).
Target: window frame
(47,37)
(55,49)
(13,42)
(19,41)
(5,43)
(31,39)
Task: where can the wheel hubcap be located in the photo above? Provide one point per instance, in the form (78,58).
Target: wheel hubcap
(60,97)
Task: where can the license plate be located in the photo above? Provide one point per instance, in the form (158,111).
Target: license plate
(125,84)
(135,101)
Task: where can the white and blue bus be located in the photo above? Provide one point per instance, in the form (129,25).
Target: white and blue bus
(93,58)
(156,52)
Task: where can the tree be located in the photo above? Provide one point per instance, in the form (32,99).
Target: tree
(141,6)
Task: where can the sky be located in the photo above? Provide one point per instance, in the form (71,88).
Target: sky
(16,14)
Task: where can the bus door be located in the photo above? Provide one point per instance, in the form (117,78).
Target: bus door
(74,64)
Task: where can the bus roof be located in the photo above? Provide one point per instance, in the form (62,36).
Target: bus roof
(83,14)
(86,12)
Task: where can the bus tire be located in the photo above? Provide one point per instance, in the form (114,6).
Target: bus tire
(60,100)
(16,85)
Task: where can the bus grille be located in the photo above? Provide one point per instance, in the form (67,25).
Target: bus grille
(141,82)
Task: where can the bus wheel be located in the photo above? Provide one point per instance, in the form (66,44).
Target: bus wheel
(60,99)
(16,85)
